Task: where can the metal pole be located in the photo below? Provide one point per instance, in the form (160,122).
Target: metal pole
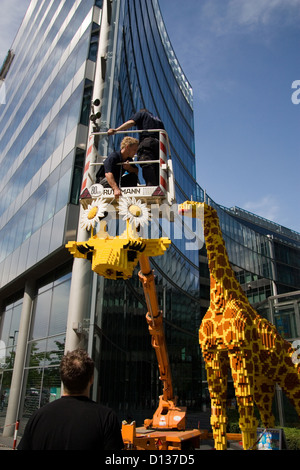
(80,292)
(20,358)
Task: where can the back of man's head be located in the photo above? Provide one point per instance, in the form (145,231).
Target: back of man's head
(76,371)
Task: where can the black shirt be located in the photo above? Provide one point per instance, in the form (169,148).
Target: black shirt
(111,166)
(72,423)
(146,120)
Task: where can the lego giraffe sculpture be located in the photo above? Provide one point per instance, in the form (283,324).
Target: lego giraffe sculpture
(233,335)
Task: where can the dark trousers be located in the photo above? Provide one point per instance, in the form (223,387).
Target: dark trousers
(149,150)
(127,180)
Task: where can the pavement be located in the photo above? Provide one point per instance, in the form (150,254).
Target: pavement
(7,443)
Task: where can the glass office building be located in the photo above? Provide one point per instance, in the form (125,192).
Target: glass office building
(50,78)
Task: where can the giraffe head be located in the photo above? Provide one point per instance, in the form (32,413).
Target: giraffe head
(212,233)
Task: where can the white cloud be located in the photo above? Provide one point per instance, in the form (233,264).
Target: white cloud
(217,29)
(226,17)
(267,207)
(257,12)
(247,15)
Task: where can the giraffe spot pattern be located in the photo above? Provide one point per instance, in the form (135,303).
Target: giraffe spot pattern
(259,356)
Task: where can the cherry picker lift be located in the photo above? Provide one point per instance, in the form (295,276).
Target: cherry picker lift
(115,257)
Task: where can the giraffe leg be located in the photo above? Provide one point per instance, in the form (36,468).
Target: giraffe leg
(288,379)
(242,374)
(263,396)
(217,373)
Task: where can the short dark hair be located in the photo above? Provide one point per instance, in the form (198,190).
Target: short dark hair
(76,370)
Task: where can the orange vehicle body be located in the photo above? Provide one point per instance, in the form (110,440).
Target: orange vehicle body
(166,429)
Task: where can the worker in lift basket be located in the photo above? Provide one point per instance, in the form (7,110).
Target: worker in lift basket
(149,142)
(116,176)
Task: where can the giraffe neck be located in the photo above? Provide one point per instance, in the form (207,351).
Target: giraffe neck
(224,285)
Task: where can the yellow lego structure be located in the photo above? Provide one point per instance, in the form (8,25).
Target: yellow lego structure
(116,257)
(233,335)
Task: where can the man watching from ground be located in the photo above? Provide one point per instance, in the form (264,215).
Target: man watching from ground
(74,421)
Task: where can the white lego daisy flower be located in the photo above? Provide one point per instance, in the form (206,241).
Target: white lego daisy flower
(94,211)
(136,212)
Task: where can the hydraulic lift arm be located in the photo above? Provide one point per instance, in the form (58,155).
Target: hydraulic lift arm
(168,414)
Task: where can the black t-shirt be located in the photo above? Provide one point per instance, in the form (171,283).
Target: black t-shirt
(72,423)
(146,120)
(111,166)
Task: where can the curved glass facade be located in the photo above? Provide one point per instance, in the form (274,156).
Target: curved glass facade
(43,134)
(145,78)
(38,128)
(147,75)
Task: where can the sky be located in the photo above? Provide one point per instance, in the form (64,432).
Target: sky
(241,58)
